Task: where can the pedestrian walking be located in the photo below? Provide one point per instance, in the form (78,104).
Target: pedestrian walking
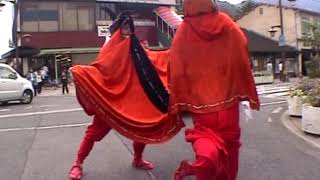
(281,72)
(32,77)
(39,81)
(64,81)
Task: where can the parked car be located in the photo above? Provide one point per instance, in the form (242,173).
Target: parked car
(13,87)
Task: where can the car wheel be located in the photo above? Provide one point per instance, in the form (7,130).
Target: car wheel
(27,97)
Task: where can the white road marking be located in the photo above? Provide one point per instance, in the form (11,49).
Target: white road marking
(47,106)
(270,91)
(278,110)
(80,109)
(276,95)
(270,120)
(45,127)
(5,110)
(270,103)
(40,113)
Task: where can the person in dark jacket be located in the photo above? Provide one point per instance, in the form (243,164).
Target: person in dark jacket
(64,81)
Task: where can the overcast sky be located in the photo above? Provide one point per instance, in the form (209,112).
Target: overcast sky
(6,26)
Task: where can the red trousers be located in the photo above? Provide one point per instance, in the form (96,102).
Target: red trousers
(96,132)
(215,139)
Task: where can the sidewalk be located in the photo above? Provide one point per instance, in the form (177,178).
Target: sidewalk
(294,125)
(57,91)
(291,80)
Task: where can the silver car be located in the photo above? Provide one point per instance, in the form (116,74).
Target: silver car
(13,87)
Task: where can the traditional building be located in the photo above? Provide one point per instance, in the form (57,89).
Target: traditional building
(60,34)
(297,19)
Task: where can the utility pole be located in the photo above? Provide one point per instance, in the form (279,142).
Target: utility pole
(283,72)
(16,31)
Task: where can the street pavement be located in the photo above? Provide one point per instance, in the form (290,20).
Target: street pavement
(39,142)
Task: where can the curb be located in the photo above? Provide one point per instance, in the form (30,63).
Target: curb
(298,132)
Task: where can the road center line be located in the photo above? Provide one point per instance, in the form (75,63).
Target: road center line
(5,110)
(40,113)
(45,127)
(80,109)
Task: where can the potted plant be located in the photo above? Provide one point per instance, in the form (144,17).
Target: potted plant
(296,97)
(295,101)
(311,108)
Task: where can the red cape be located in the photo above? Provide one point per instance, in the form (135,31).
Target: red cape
(110,88)
(209,66)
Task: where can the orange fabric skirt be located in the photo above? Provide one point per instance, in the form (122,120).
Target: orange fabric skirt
(110,88)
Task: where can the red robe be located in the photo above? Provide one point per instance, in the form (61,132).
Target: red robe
(209,74)
(209,66)
(110,88)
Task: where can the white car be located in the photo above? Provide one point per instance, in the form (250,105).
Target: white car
(13,87)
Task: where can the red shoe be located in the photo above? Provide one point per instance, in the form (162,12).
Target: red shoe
(75,172)
(185,169)
(142,164)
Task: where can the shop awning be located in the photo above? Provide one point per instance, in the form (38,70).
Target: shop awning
(169,16)
(23,51)
(68,51)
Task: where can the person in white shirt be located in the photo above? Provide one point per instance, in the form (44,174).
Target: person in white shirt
(39,81)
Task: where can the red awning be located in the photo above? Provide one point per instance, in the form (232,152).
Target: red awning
(169,16)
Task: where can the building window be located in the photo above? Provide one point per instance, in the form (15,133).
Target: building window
(48,16)
(261,11)
(105,11)
(77,16)
(305,25)
(40,16)
(69,19)
(57,16)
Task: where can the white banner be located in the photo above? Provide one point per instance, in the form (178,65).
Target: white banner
(165,2)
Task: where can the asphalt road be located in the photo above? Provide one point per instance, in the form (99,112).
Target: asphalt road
(39,141)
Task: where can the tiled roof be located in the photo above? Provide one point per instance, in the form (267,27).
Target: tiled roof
(259,43)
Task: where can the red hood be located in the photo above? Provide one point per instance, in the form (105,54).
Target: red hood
(209,30)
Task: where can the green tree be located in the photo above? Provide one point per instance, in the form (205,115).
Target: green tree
(312,40)
(247,6)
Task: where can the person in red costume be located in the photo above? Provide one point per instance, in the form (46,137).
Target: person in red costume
(210,84)
(97,131)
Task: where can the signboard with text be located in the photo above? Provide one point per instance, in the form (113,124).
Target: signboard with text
(103,31)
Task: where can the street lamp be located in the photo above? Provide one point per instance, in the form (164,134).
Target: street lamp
(282,40)
(273,30)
